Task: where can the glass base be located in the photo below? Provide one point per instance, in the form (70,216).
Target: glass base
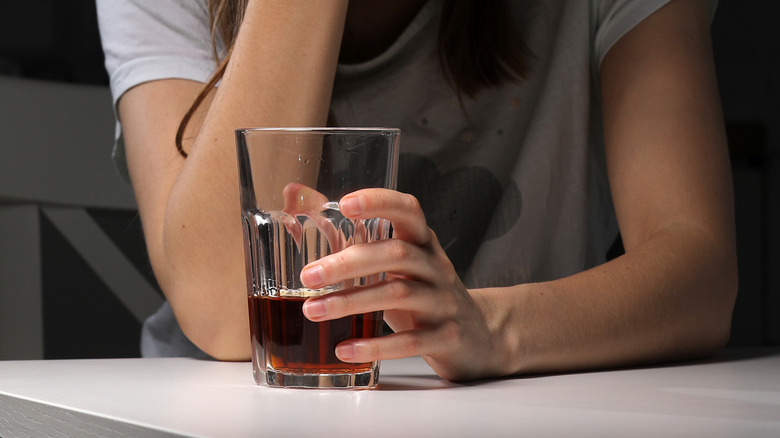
(364,380)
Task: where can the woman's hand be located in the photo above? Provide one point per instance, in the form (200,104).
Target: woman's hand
(423,299)
(669,297)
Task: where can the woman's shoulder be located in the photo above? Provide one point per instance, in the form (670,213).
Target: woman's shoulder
(611,19)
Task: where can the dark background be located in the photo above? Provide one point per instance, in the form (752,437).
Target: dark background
(58,40)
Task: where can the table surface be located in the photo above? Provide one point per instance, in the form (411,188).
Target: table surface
(736,394)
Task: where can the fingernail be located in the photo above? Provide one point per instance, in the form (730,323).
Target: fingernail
(314,309)
(345,352)
(313,276)
(350,206)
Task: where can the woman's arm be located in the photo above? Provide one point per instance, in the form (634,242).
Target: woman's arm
(669,297)
(280,74)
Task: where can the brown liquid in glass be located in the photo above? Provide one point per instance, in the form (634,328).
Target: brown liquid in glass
(294,344)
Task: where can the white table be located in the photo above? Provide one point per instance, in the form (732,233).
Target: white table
(735,395)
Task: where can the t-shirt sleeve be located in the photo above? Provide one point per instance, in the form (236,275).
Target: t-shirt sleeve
(147,40)
(614,18)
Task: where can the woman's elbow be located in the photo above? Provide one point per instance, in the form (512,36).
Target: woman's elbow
(223,345)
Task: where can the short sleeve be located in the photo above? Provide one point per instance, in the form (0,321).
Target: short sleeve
(614,18)
(145,40)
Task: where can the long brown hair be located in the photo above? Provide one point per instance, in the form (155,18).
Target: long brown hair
(479,47)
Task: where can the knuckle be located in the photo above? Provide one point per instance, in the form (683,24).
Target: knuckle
(448,305)
(412,202)
(411,346)
(340,262)
(450,332)
(434,239)
(382,200)
(369,350)
(347,303)
(400,290)
(398,249)
(364,350)
(449,275)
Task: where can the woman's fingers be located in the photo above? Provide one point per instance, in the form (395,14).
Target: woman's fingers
(395,294)
(423,298)
(401,209)
(393,256)
(423,341)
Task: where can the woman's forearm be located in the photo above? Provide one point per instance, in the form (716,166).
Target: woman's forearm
(669,298)
(280,74)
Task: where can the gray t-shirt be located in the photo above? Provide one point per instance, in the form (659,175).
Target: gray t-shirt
(514,182)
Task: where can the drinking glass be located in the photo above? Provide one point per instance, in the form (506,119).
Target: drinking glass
(291,180)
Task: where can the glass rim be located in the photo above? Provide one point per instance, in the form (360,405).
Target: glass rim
(319,130)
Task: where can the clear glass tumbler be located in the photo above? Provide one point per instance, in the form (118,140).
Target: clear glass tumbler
(291,180)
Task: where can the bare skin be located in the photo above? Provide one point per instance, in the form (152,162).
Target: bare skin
(669,297)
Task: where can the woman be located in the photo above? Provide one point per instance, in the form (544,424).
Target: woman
(523,122)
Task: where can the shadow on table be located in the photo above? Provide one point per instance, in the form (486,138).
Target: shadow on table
(419,382)
(733,354)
